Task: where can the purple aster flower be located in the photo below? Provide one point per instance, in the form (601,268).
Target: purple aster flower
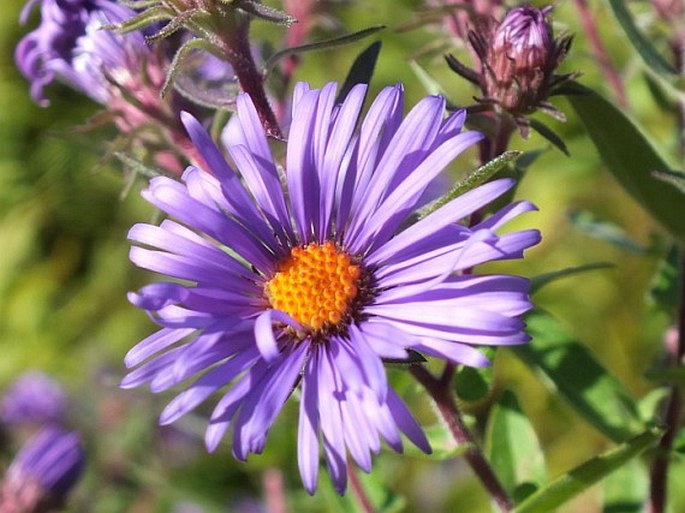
(42,473)
(34,398)
(70,45)
(312,279)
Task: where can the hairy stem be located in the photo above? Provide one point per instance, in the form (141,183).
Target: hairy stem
(440,391)
(236,48)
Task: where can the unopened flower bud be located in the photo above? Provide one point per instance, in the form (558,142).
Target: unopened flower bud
(518,59)
(42,473)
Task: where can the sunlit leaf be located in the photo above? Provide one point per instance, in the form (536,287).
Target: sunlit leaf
(512,446)
(569,485)
(577,377)
(631,158)
(478,177)
(626,489)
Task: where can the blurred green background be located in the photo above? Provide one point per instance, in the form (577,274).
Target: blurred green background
(64,274)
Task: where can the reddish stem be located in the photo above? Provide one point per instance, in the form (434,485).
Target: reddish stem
(440,391)
(358,489)
(237,51)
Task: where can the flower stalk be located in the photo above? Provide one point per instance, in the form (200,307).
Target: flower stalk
(440,390)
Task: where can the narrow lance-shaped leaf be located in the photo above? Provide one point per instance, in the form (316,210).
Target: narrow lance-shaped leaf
(589,224)
(512,447)
(320,45)
(361,70)
(569,485)
(539,281)
(631,158)
(478,177)
(648,53)
(578,378)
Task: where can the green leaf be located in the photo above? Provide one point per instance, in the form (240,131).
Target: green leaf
(675,178)
(527,159)
(626,489)
(550,135)
(567,486)
(478,177)
(320,45)
(473,384)
(669,375)
(572,372)
(665,287)
(646,50)
(631,158)
(361,70)
(539,281)
(512,447)
(589,224)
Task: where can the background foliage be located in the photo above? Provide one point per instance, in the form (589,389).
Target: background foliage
(64,274)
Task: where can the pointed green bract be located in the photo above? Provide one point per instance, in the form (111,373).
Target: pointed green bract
(631,158)
(569,485)
(587,386)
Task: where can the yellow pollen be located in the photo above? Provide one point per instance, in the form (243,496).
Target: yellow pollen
(315,285)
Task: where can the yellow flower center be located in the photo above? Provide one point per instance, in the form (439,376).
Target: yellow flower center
(315,285)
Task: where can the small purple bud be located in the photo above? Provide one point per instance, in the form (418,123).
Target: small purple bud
(524,37)
(518,59)
(42,473)
(33,398)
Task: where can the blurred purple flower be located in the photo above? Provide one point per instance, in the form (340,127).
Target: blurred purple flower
(70,45)
(33,398)
(42,473)
(315,282)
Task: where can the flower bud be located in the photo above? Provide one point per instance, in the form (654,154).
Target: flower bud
(518,59)
(42,473)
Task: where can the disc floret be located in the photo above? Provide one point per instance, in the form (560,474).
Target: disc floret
(316,285)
